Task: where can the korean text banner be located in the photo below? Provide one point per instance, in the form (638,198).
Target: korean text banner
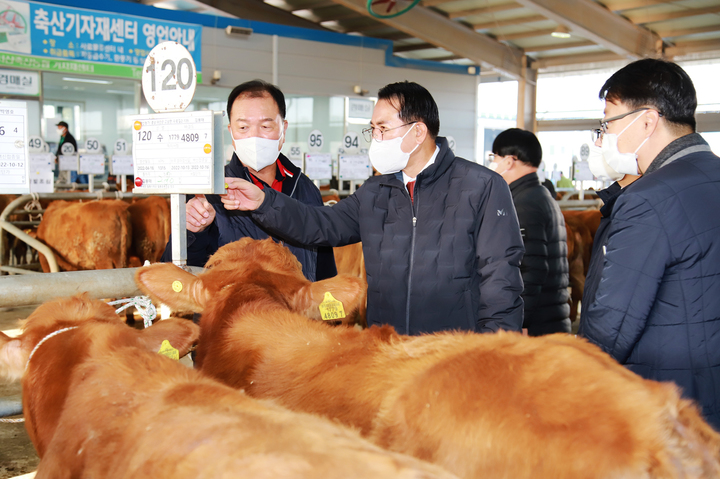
(67,39)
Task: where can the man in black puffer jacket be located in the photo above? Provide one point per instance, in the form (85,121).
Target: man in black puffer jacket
(657,307)
(440,235)
(516,156)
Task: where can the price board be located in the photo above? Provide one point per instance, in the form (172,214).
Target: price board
(91,165)
(318,166)
(354,167)
(14,161)
(176,153)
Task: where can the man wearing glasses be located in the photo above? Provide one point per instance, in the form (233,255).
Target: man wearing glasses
(440,235)
(657,308)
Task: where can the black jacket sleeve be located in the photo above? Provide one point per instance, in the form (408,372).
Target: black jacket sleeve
(200,246)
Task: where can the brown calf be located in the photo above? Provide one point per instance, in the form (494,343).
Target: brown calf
(482,406)
(100,402)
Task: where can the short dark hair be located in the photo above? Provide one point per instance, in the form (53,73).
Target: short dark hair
(656,83)
(521,144)
(257,89)
(415,103)
(62,123)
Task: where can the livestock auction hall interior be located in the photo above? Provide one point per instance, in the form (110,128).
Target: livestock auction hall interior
(301,239)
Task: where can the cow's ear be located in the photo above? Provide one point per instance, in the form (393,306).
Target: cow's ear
(173,286)
(344,288)
(182,334)
(12,359)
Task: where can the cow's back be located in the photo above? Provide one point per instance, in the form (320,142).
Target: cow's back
(86,236)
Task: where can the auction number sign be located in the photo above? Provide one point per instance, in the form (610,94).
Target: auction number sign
(122,161)
(315,141)
(173,152)
(169,77)
(14,164)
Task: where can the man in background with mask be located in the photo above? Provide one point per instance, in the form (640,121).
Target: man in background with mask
(516,157)
(440,235)
(256,111)
(66,137)
(657,307)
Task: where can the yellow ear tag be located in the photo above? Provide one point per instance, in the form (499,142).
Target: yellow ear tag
(177,286)
(167,350)
(331,308)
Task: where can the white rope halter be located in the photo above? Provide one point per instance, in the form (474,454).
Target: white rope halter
(142,304)
(55,333)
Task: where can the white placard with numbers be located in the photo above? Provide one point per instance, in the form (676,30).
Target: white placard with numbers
(169,77)
(354,167)
(14,161)
(92,165)
(451,143)
(318,166)
(36,144)
(175,153)
(351,143)
(315,140)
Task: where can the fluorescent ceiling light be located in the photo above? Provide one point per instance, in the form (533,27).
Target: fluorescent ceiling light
(120,92)
(88,80)
(561,32)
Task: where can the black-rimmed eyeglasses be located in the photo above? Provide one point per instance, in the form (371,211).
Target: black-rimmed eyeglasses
(597,134)
(377,133)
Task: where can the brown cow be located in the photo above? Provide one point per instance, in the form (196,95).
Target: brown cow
(150,218)
(90,235)
(100,402)
(482,406)
(583,224)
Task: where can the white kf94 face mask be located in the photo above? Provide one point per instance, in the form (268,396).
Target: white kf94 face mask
(387,157)
(614,161)
(257,153)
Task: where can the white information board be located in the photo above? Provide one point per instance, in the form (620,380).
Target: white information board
(175,153)
(41,162)
(91,165)
(122,165)
(68,162)
(42,182)
(582,171)
(354,167)
(318,166)
(14,164)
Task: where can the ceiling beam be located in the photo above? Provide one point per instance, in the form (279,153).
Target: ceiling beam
(517,36)
(413,48)
(431,27)
(687,31)
(593,22)
(261,12)
(577,59)
(484,10)
(625,5)
(509,22)
(661,17)
(688,48)
(434,3)
(314,5)
(558,46)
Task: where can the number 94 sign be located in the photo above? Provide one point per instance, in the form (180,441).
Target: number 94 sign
(169,77)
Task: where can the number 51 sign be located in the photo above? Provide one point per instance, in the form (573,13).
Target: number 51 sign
(169,77)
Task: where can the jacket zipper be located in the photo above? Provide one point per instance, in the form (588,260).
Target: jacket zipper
(412,256)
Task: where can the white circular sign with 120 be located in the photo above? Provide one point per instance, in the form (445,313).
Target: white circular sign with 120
(169,77)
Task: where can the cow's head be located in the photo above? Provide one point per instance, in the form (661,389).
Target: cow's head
(77,311)
(245,262)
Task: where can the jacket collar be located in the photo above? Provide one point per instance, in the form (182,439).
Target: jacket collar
(683,146)
(523,183)
(429,175)
(238,170)
(608,196)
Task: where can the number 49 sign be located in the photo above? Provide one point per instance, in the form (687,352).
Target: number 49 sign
(169,77)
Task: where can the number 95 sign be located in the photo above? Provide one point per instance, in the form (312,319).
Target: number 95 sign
(169,77)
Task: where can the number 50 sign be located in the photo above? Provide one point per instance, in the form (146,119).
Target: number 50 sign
(169,77)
